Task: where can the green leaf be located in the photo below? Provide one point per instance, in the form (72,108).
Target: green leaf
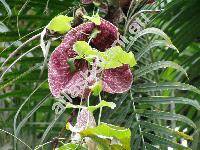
(150,147)
(84,49)
(92,108)
(71,64)
(157,65)
(70,146)
(70,105)
(95,19)
(163,141)
(117,147)
(167,100)
(31,69)
(102,104)
(107,131)
(102,144)
(97,88)
(7,7)
(152,30)
(60,24)
(110,65)
(164,130)
(116,57)
(147,87)
(94,33)
(153,45)
(111,58)
(165,116)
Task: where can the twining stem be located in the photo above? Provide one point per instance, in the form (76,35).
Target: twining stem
(137,120)
(19,48)
(41,145)
(22,8)
(24,54)
(6,48)
(88,101)
(100,111)
(1,130)
(81,103)
(20,108)
(88,104)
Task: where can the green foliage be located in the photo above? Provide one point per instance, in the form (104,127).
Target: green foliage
(162,141)
(95,19)
(161,99)
(84,49)
(70,62)
(60,24)
(7,7)
(115,57)
(158,65)
(94,33)
(111,58)
(102,104)
(71,147)
(97,88)
(118,135)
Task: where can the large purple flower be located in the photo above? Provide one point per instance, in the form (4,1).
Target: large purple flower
(61,79)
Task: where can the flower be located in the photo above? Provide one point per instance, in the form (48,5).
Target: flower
(85,120)
(61,79)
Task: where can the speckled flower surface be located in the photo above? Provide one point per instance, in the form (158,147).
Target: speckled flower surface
(61,79)
(85,119)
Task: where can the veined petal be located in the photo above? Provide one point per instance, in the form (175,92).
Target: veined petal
(118,80)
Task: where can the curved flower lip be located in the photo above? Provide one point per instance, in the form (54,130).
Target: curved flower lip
(61,79)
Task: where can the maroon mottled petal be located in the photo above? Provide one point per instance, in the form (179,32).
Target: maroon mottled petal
(117,80)
(59,73)
(59,76)
(77,86)
(85,119)
(109,33)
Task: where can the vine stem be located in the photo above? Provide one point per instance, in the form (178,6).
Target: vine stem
(137,120)
(16,138)
(19,48)
(81,103)
(41,145)
(88,100)
(100,112)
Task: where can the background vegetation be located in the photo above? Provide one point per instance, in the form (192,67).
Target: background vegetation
(163,102)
